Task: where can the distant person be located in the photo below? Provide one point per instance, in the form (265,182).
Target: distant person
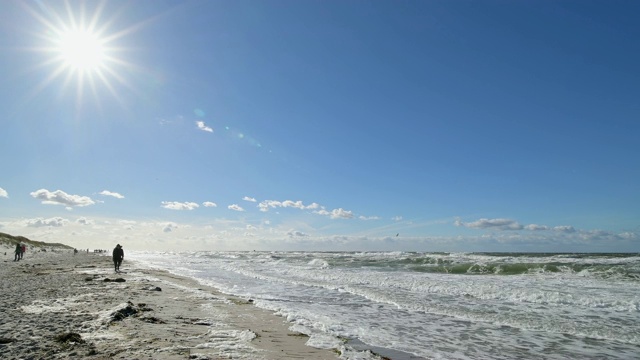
(23,248)
(18,252)
(118,255)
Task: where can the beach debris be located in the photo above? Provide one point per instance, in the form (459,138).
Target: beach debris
(69,337)
(114,280)
(240,301)
(154,288)
(4,340)
(128,310)
(298,334)
(196,321)
(143,307)
(153,320)
(198,357)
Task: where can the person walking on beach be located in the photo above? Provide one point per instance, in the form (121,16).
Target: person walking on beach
(18,252)
(118,255)
(23,248)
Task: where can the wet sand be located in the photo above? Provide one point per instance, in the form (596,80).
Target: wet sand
(65,306)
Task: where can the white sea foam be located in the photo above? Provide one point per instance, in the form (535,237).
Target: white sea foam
(428,305)
(56,305)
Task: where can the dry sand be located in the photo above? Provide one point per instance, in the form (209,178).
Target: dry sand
(65,306)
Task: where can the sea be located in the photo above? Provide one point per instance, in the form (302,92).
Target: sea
(415,305)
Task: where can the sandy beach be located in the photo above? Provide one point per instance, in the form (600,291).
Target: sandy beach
(57,305)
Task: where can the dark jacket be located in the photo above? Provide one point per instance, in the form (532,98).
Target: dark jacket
(118,253)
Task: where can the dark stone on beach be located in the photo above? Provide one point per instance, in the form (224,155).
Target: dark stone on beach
(4,340)
(298,334)
(201,322)
(198,357)
(157,288)
(143,308)
(127,311)
(88,279)
(153,320)
(69,337)
(119,280)
(107,280)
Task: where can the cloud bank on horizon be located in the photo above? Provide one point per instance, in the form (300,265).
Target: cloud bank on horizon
(332,126)
(240,234)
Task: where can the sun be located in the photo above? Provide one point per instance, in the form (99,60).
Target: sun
(82,50)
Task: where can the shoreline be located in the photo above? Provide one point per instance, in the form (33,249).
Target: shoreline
(65,306)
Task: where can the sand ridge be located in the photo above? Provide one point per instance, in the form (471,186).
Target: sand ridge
(66,306)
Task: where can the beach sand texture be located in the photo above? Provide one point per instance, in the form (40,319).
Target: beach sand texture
(65,306)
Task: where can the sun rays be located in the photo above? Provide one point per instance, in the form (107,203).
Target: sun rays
(82,49)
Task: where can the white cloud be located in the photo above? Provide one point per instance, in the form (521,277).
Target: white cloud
(628,235)
(508,224)
(174,205)
(40,222)
(3,193)
(113,194)
(295,233)
(201,125)
(209,204)
(84,221)
(246,198)
(265,205)
(294,204)
(235,207)
(313,206)
(595,234)
(500,224)
(368,218)
(168,227)
(341,214)
(60,197)
(534,227)
(323,212)
(565,229)
(397,218)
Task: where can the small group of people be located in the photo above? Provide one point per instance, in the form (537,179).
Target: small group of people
(20,249)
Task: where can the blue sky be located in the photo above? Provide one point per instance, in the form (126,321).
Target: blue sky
(322,125)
